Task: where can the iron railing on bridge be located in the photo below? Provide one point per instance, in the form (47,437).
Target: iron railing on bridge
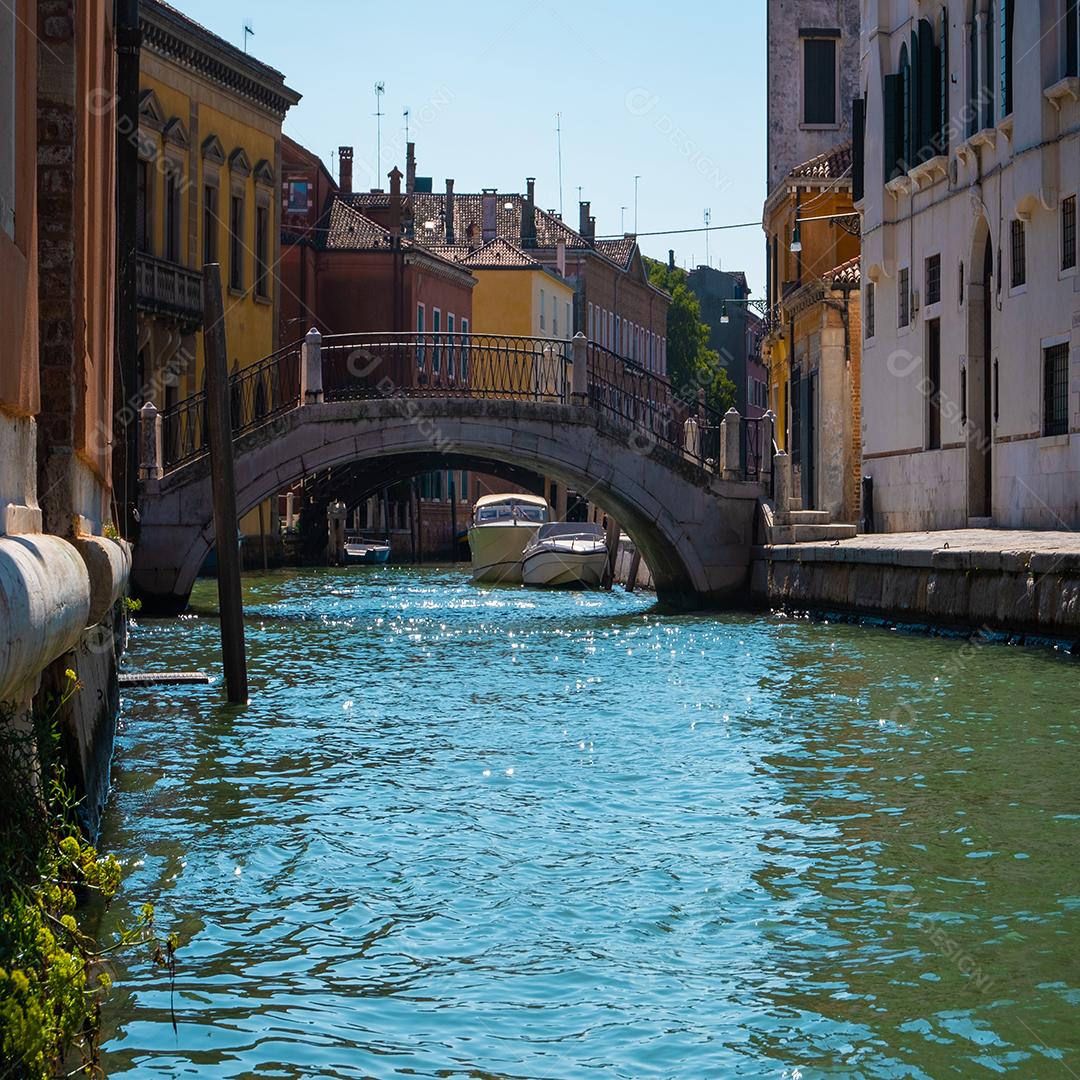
(480,366)
(445,365)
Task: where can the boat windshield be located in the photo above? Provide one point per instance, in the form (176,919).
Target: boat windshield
(578,529)
(510,511)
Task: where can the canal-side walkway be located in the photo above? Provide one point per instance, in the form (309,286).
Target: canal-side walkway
(1026,581)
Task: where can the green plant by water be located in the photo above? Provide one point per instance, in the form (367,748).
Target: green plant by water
(52,973)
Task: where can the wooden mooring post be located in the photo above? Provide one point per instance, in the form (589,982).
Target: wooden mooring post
(223,483)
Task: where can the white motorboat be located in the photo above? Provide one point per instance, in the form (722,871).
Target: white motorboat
(566,554)
(502,525)
(366,552)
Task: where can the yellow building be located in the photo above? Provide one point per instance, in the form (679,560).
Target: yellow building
(209,161)
(516,295)
(812,343)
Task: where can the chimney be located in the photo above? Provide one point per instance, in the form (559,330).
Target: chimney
(528,214)
(583,219)
(410,167)
(560,257)
(395,202)
(449,212)
(592,230)
(489,217)
(671,258)
(345,168)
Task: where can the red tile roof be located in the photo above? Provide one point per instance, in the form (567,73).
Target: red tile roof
(501,254)
(618,251)
(847,275)
(831,165)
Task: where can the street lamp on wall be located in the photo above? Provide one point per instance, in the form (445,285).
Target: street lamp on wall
(796,239)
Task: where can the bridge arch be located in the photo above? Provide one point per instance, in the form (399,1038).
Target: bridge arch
(693,528)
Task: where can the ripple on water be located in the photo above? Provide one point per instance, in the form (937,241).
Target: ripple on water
(467,831)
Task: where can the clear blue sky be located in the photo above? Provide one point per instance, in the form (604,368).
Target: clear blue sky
(674,92)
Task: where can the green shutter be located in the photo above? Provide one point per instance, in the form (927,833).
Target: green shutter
(927,78)
(858,148)
(890,107)
(942,66)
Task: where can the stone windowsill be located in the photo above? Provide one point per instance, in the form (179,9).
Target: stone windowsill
(926,172)
(986,137)
(899,185)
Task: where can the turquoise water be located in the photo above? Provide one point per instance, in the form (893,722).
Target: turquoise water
(497,833)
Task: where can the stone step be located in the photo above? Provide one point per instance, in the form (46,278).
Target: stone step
(807,534)
(809,517)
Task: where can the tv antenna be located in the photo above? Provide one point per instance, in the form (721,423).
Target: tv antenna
(622,220)
(248,32)
(380,89)
(636,179)
(708,218)
(558,145)
(406,115)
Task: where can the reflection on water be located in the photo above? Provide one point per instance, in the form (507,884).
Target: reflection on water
(496,833)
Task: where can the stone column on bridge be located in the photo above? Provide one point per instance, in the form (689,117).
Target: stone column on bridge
(311,388)
(781,488)
(768,424)
(151,465)
(730,445)
(579,379)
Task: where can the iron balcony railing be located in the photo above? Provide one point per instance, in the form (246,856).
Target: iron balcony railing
(166,288)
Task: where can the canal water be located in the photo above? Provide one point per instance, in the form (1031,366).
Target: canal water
(466,832)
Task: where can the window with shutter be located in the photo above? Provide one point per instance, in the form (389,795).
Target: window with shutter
(892,91)
(819,81)
(858,148)
(941,100)
(1072,38)
(1006,30)
(926,121)
(904,134)
(973,78)
(987,89)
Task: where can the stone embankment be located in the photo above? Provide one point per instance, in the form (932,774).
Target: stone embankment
(1026,583)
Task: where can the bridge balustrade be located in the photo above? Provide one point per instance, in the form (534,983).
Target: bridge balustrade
(480,366)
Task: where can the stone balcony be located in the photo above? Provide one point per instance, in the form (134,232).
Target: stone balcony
(168,289)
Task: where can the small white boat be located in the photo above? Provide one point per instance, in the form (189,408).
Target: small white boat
(366,552)
(566,554)
(502,525)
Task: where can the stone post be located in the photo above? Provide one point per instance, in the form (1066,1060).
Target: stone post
(781,487)
(151,466)
(766,426)
(311,390)
(290,510)
(691,438)
(579,380)
(730,439)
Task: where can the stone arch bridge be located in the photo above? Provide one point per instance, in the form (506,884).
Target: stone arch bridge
(681,480)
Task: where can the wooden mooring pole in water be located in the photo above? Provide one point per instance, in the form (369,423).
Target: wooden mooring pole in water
(223,483)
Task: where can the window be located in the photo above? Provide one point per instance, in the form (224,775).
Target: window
(903,297)
(142,207)
(451,346)
(1019,254)
(172,216)
(871,295)
(543,310)
(988,71)
(819,81)
(236,242)
(1056,390)
(298,197)
(8,128)
(262,251)
(617,347)
(590,324)
(464,349)
(933,279)
(1005,27)
(1068,233)
(1072,38)
(555,316)
(905,110)
(210,224)
(420,330)
(436,327)
(933,376)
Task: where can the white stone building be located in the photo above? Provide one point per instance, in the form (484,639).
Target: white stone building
(971,296)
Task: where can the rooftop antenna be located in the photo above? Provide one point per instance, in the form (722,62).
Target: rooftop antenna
(708,218)
(406,114)
(380,89)
(558,144)
(622,219)
(248,32)
(636,179)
